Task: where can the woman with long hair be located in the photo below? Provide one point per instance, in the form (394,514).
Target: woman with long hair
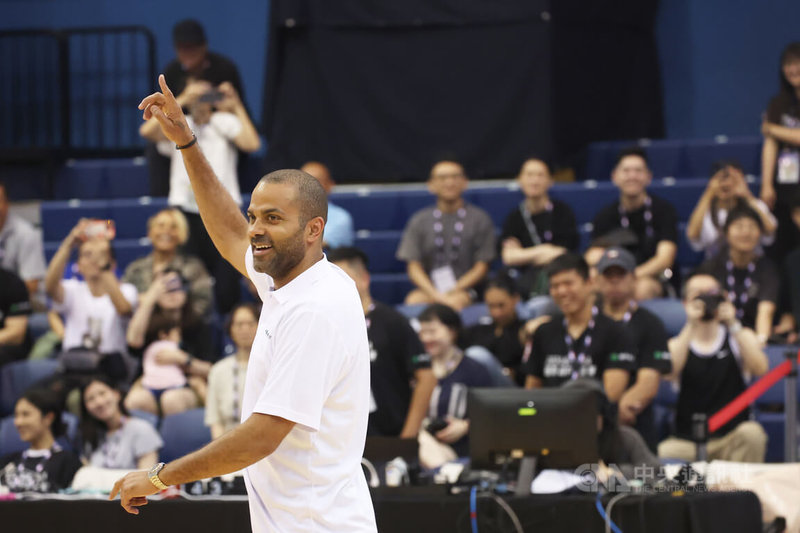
(111,438)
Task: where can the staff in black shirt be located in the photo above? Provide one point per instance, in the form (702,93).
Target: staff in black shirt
(709,357)
(585,343)
(501,336)
(617,284)
(15,306)
(751,280)
(396,407)
(537,231)
(651,220)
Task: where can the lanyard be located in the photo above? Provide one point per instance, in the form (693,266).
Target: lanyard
(458,229)
(739,300)
(625,222)
(632,307)
(576,361)
(527,216)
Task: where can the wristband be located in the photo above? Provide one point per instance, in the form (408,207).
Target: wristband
(187,145)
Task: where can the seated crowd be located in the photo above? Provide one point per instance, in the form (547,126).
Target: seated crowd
(138,345)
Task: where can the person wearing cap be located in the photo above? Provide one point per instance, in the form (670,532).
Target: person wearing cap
(584,343)
(726,190)
(617,284)
(651,220)
(750,279)
(339,229)
(711,359)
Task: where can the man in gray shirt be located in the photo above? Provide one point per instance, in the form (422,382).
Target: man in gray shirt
(448,246)
(21,249)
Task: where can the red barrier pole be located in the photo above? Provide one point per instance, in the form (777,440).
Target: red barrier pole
(747,397)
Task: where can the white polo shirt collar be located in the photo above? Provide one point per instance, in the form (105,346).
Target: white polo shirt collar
(302,282)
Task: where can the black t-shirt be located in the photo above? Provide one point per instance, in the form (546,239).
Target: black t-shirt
(506,347)
(763,285)
(784,110)
(709,382)
(610,347)
(14,299)
(556,226)
(663,224)
(649,340)
(396,353)
(218,69)
(39,470)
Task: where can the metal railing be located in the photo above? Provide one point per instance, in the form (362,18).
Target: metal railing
(73,92)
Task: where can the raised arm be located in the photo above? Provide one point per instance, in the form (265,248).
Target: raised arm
(55,270)
(247,140)
(221,216)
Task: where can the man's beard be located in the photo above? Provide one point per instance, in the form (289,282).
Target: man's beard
(284,258)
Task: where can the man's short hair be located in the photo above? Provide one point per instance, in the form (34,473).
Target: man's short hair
(310,194)
(566,262)
(188,32)
(631,151)
(446,157)
(504,282)
(348,254)
(444,314)
(540,159)
(743,211)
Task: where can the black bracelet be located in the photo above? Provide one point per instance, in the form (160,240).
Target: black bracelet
(187,145)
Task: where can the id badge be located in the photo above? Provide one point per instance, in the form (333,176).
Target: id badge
(789,167)
(443,278)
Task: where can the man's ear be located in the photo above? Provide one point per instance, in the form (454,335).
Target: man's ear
(314,229)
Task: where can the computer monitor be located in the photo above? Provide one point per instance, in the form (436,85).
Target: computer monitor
(557,427)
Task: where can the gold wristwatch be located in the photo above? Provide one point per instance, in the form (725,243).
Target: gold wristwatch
(152,475)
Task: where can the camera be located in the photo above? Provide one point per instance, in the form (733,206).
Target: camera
(436,425)
(211,97)
(711,302)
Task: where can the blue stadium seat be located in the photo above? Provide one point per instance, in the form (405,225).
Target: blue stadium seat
(775,427)
(58,218)
(84,180)
(10,441)
(670,311)
(183,433)
(16,377)
(380,247)
(144,415)
(702,153)
(496,201)
(473,314)
(126,178)
(665,157)
(586,198)
(130,215)
(128,250)
(410,311)
(390,289)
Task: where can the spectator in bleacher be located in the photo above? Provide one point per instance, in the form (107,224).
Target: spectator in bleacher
(710,358)
(780,153)
(227,377)
(339,229)
(502,334)
(439,332)
(193,62)
(726,190)
(789,299)
(112,438)
(616,284)
(21,248)
(15,306)
(95,309)
(220,125)
(750,279)
(447,247)
(167,231)
(584,343)
(401,380)
(44,466)
(168,297)
(652,221)
(537,231)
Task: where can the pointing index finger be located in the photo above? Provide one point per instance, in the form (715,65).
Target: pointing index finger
(162,82)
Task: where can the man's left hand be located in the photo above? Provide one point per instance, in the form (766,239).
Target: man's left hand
(133,490)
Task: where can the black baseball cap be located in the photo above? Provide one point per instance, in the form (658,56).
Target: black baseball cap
(616,257)
(188,32)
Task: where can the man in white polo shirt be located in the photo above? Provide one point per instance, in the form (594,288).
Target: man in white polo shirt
(306,401)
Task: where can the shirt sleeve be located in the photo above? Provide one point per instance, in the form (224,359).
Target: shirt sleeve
(653,352)
(303,370)
(165,148)
(534,366)
(130,293)
(410,248)
(69,287)
(145,439)
(16,296)
(31,261)
(567,228)
(415,356)
(768,289)
(667,223)
(212,415)
(227,124)
(619,348)
(68,465)
(485,250)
